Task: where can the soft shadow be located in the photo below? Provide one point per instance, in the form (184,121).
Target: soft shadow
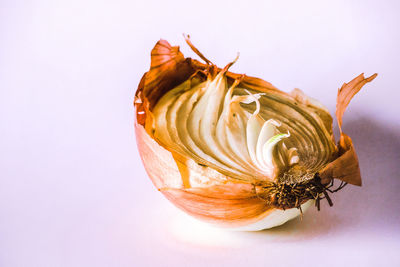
(375,205)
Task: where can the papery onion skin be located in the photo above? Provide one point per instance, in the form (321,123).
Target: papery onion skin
(202,191)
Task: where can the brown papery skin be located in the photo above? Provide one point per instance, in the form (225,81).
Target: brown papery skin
(200,190)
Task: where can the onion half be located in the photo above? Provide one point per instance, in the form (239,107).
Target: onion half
(234,150)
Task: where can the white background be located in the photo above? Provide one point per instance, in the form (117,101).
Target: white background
(73,191)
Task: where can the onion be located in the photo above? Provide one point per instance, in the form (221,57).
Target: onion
(234,150)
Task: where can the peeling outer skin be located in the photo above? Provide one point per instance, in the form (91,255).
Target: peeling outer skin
(345,167)
(200,190)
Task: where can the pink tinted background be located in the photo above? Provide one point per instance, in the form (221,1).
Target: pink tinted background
(73,191)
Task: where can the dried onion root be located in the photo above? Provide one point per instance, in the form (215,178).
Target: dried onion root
(234,150)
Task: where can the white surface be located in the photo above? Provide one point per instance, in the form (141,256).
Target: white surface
(73,191)
(276,218)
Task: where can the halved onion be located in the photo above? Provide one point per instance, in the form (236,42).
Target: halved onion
(233,150)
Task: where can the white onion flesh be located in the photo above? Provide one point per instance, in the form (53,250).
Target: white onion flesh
(275,218)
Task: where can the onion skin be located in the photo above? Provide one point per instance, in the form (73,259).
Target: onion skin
(199,190)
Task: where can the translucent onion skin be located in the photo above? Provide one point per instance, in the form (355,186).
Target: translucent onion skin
(209,194)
